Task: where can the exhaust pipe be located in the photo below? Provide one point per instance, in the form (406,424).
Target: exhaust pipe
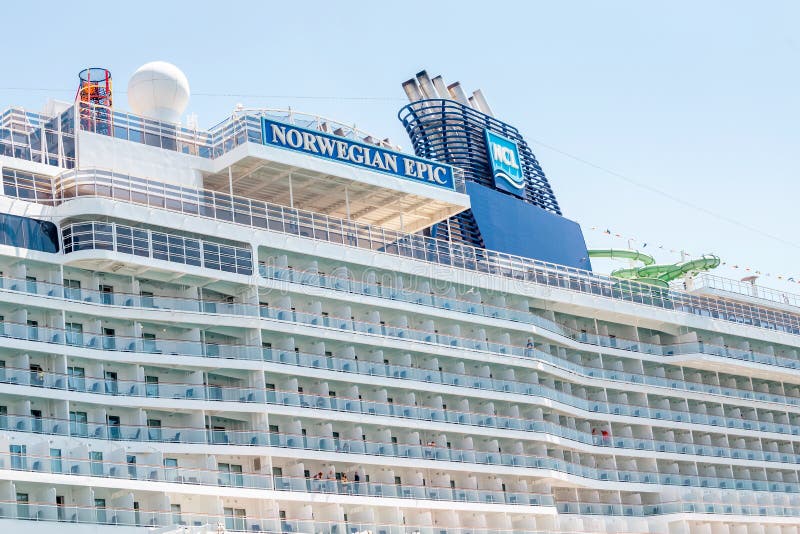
(480,102)
(457,93)
(423,88)
(441,88)
(412,90)
(428,90)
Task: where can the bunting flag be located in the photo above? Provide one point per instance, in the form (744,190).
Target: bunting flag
(735,266)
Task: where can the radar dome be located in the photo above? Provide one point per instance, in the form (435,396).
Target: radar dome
(158,90)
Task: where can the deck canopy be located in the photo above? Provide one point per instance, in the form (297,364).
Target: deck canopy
(332,188)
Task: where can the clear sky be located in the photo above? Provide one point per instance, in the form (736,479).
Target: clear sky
(700,100)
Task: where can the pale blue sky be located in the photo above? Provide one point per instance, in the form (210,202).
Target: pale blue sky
(699,99)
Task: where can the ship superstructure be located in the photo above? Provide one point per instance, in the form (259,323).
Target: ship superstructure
(254,328)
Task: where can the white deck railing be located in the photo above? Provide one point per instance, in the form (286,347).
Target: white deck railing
(223,207)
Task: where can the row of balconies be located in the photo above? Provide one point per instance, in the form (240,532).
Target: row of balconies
(366,481)
(104,506)
(149,381)
(131,380)
(710,525)
(81,504)
(668,376)
(591,366)
(592,399)
(360,439)
(539,274)
(363,280)
(175,427)
(395,286)
(187,299)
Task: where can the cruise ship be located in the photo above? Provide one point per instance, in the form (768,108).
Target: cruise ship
(284,324)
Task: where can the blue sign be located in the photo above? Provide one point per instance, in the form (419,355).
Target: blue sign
(371,157)
(506,167)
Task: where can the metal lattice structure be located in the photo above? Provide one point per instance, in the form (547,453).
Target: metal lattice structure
(452,132)
(94,92)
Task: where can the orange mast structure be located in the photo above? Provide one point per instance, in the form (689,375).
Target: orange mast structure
(95,99)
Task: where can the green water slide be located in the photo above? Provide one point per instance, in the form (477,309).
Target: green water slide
(651,272)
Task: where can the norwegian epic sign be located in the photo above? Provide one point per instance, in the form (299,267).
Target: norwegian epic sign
(371,157)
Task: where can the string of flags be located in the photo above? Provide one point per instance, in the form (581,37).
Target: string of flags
(642,245)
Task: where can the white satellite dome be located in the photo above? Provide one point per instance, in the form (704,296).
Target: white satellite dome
(158,90)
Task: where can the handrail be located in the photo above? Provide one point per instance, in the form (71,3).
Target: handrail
(706,280)
(299,118)
(273,217)
(243,126)
(179,434)
(199,476)
(340,284)
(195,392)
(38,138)
(116,515)
(46,511)
(253,352)
(159,245)
(224,307)
(108,243)
(289,115)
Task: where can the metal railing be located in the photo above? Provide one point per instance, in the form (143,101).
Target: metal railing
(93,340)
(454,303)
(86,513)
(710,281)
(135,388)
(231,522)
(340,445)
(445,302)
(244,126)
(219,138)
(290,221)
(192,348)
(99,235)
(104,468)
(114,515)
(34,137)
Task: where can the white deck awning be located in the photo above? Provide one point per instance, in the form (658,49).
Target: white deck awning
(283,177)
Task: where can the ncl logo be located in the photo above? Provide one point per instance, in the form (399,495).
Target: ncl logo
(504,155)
(506,168)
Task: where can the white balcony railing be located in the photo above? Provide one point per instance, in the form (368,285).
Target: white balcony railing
(219,206)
